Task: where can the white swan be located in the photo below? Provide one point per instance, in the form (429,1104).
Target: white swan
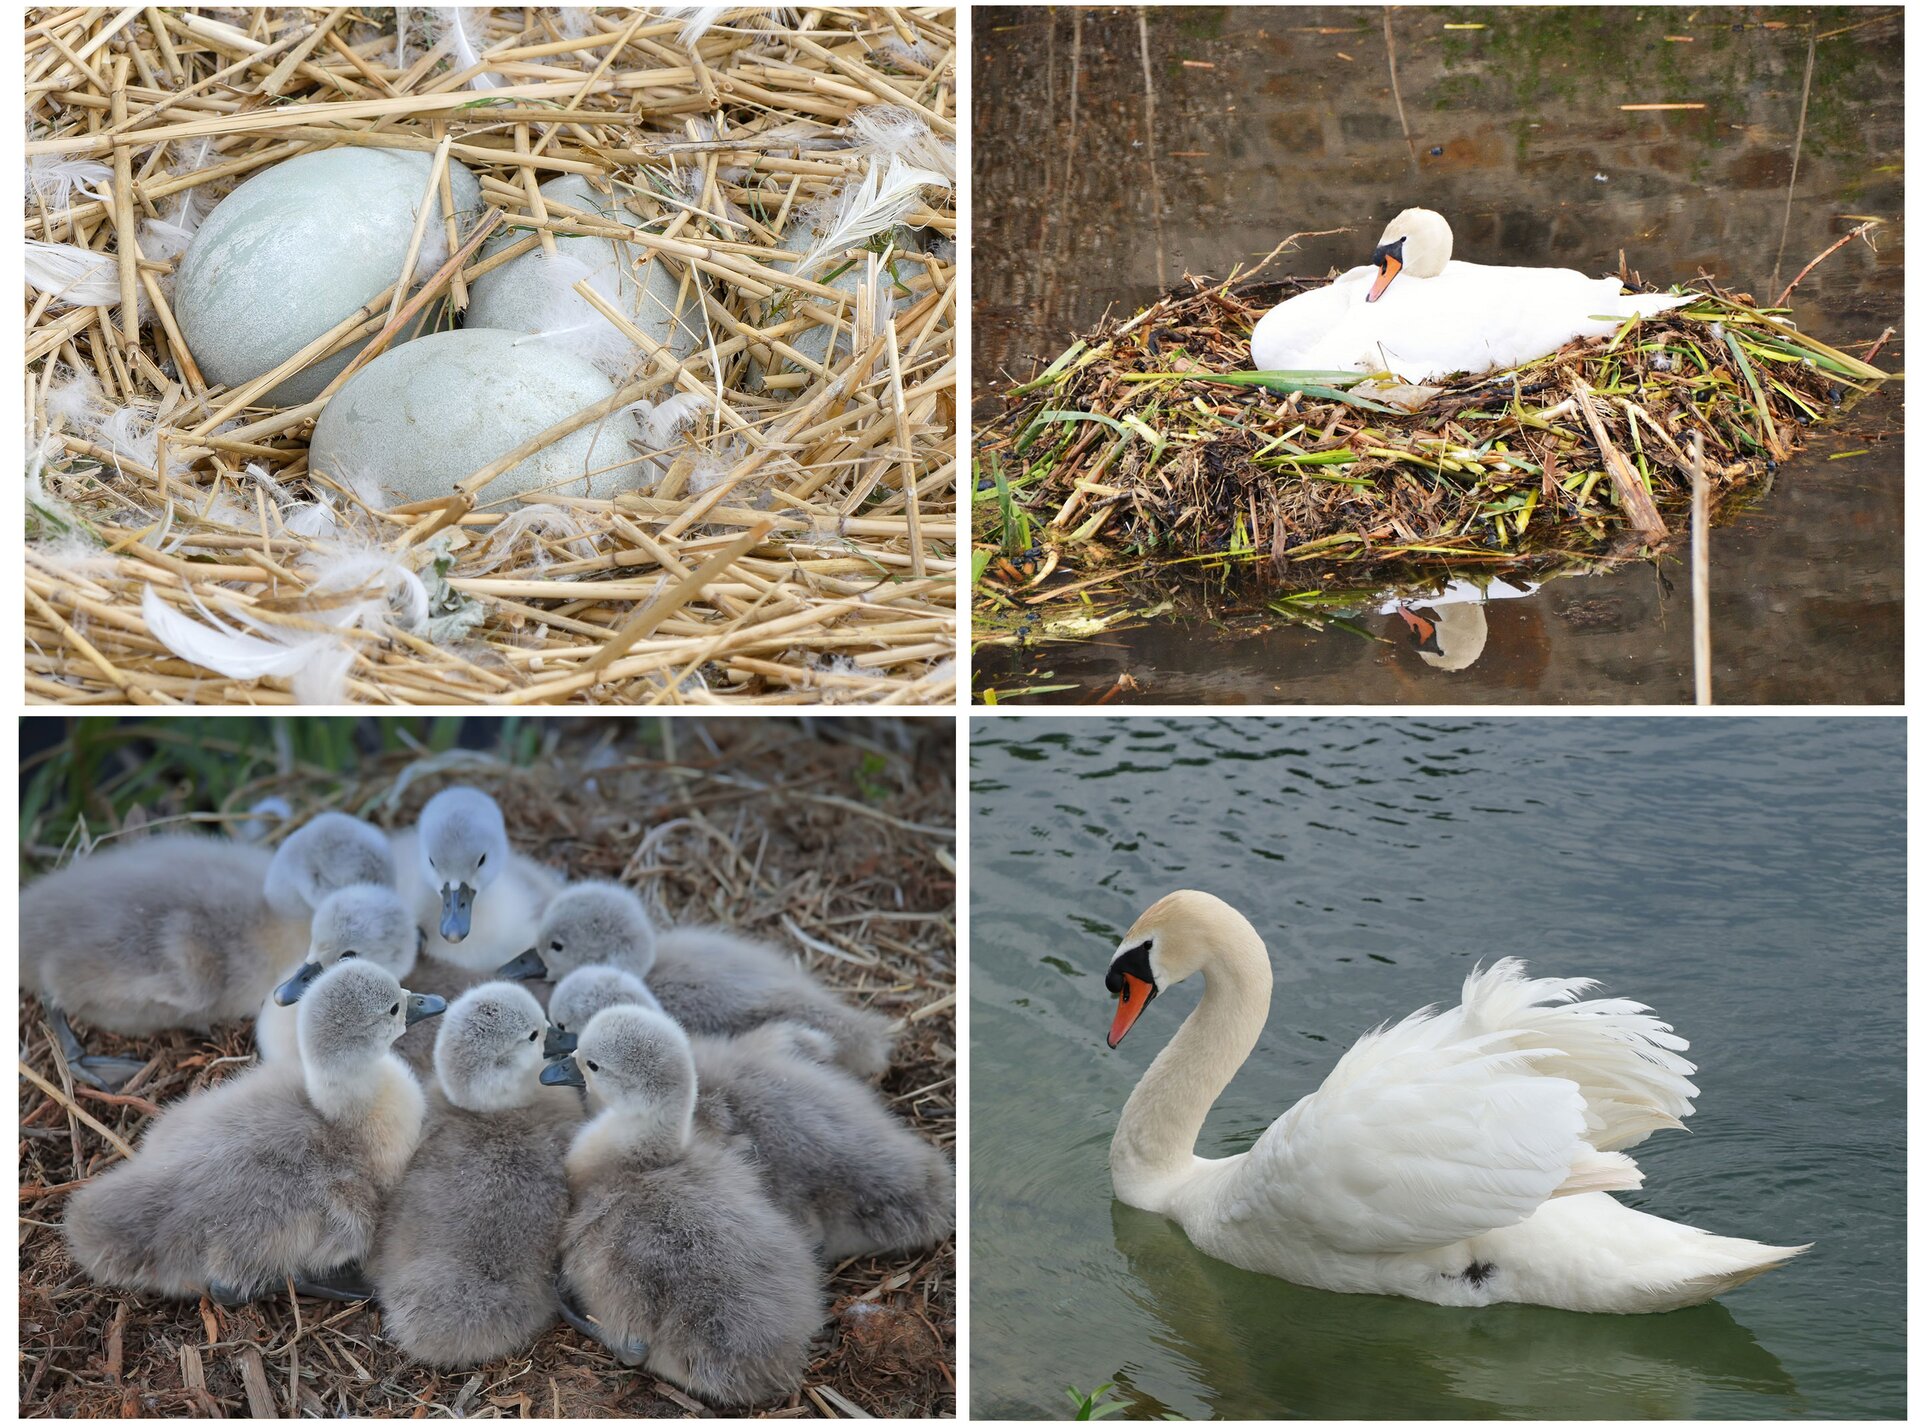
(1413,312)
(1459,1157)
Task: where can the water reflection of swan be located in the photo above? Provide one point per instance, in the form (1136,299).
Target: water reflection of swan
(1465,1158)
(1422,315)
(1260,1347)
(1449,630)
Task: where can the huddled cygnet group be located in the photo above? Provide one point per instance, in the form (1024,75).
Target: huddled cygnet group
(484,1097)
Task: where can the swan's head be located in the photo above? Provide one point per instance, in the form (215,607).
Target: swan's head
(1180,934)
(1450,636)
(1418,242)
(582,994)
(463,847)
(366,922)
(589,924)
(488,1054)
(354,1012)
(639,1064)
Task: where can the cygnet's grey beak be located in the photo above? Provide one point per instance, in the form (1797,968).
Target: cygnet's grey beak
(563,1072)
(456,911)
(560,1042)
(419,1008)
(527,966)
(290,990)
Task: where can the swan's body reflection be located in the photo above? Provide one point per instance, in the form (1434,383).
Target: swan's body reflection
(1261,1347)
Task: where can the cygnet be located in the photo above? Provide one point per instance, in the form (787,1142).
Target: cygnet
(278,1173)
(458,852)
(150,935)
(829,1151)
(672,1253)
(710,981)
(463,1266)
(331,851)
(363,921)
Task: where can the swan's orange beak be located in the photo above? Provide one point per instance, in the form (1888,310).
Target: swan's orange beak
(1389,270)
(1134,995)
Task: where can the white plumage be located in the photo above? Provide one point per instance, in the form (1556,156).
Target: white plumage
(1462,1157)
(1417,313)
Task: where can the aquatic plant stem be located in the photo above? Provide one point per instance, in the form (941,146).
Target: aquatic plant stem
(1793,174)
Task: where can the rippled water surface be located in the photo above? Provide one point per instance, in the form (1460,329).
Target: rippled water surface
(1268,122)
(1746,877)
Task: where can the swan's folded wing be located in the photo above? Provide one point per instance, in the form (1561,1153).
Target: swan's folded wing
(1419,1138)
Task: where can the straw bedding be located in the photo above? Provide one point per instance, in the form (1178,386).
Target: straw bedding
(1148,448)
(837,847)
(798,545)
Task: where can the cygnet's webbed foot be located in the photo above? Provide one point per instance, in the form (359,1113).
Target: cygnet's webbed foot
(102,1072)
(631,1353)
(345,1285)
(226,1295)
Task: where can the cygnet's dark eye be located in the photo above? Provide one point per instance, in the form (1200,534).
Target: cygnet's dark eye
(533,1035)
(483,860)
(394,1009)
(348,955)
(591,1066)
(554,946)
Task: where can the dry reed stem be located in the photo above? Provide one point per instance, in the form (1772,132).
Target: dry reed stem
(852,464)
(839,848)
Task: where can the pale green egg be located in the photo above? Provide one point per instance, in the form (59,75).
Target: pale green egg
(296,250)
(424,415)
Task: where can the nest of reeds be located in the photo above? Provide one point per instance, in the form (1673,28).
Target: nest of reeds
(839,848)
(1149,448)
(797,543)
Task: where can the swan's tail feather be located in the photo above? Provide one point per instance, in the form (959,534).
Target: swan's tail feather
(1624,1059)
(1602,1171)
(1723,1264)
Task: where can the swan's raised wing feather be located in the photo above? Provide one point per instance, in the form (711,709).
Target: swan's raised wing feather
(1447,1126)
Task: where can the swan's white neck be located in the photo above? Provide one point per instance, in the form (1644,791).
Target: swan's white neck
(1152,1150)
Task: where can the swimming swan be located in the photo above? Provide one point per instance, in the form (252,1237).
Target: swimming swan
(829,1151)
(149,935)
(710,981)
(672,1251)
(1416,313)
(1460,1157)
(463,1266)
(457,852)
(276,1173)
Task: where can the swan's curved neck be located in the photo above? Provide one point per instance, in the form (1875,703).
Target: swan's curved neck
(1153,1147)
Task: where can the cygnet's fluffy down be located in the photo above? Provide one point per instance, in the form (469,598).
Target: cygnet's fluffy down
(445,979)
(478,899)
(710,981)
(157,933)
(276,1173)
(464,1263)
(331,851)
(361,921)
(828,1150)
(672,1249)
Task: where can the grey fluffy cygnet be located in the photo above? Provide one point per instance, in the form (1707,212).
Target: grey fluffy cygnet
(277,1173)
(331,851)
(710,981)
(364,922)
(478,899)
(150,935)
(829,1151)
(672,1249)
(463,1265)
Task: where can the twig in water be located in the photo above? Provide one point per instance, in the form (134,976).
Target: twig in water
(1702,611)
(1393,77)
(1828,251)
(1153,171)
(1793,175)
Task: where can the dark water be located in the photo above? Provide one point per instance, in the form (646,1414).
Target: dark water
(1746,877)
(1268,122)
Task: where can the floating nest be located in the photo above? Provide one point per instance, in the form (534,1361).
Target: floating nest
(798,544)
(1148,449)
(839,848)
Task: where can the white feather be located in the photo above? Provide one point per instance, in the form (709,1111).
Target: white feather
(894,131)
(76,276)
(553,521)
(54,180)
(701,18)
(660,421)
(74,399)
(881,202)
(217,647)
